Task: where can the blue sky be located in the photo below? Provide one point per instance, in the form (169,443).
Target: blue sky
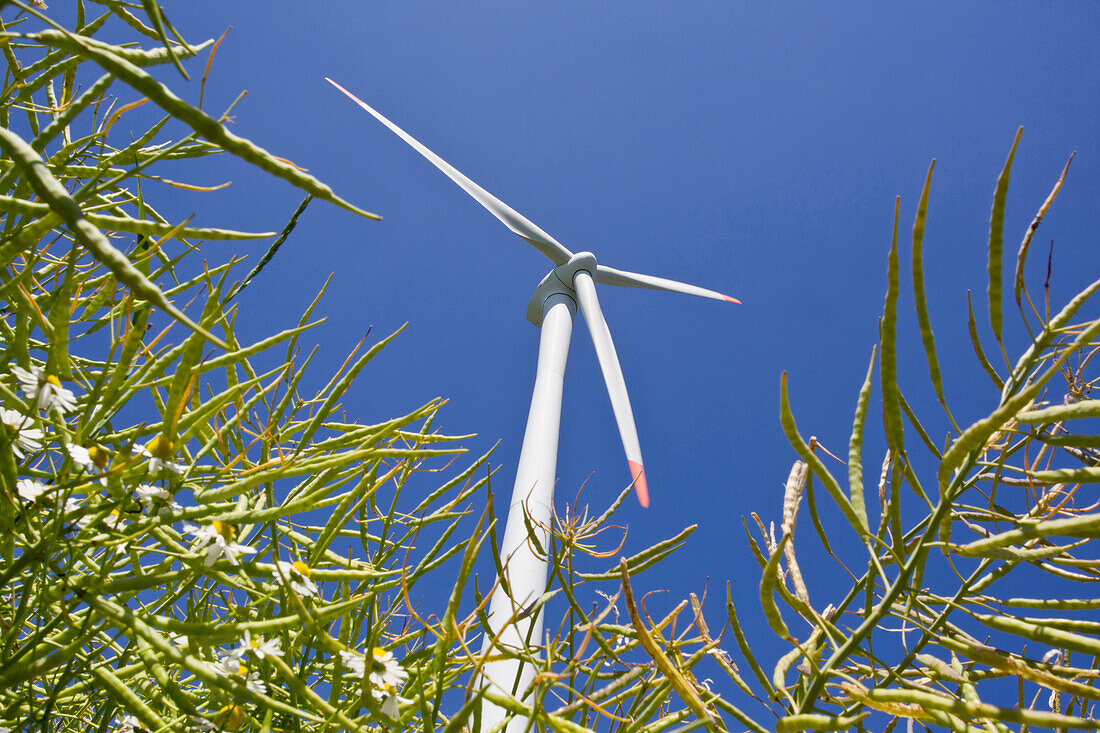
(754,149)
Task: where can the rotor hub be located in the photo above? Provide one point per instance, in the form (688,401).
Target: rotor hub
(559,280)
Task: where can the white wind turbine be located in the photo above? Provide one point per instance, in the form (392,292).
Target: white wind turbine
(552,307)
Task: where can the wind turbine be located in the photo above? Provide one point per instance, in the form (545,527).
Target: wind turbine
(552,307)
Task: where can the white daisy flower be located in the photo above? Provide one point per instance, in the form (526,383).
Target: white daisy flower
(203,534)
(29,489)
(114,520)
(217,538)
(382,670)
(100,456)
(386,676)
(229,549)
(389,706)
(79,455)
(355,665)
(44,390)
(296,575)
(258,647)
(229,665)
(130,724)
(152,497)
(159,452)
(74,505)
(386,673)
(26,438)
(226,665)
(92,460)
(253,683)
(197,723)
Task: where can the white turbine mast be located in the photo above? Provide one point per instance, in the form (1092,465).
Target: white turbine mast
(514,627)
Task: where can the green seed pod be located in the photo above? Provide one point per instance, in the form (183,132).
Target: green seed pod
(195,118)
(50,190)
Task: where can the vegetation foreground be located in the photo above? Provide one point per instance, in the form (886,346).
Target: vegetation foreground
(189,539)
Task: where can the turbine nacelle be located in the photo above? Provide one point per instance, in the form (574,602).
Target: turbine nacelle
(559,280)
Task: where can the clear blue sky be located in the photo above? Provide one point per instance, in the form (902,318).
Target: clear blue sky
(751,148)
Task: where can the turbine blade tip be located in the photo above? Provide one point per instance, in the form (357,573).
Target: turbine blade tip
(731,300)
(637,472)
(348,94)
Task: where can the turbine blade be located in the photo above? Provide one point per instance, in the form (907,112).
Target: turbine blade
(613,378)
(610,276)
(512,219)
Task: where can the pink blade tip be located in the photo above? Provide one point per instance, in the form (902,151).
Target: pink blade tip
(638,472)
(731,300)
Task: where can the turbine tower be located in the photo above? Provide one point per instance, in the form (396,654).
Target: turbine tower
(571,284)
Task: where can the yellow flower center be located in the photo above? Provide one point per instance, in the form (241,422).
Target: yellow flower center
(242,670)
(227,531)
(160,447)
(230,717)
(254,643)
(51,379)
(100,456)
(302,568)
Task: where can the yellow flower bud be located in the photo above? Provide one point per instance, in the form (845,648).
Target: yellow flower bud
(227,531)
(100,456)
(229,717)
(161,448)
